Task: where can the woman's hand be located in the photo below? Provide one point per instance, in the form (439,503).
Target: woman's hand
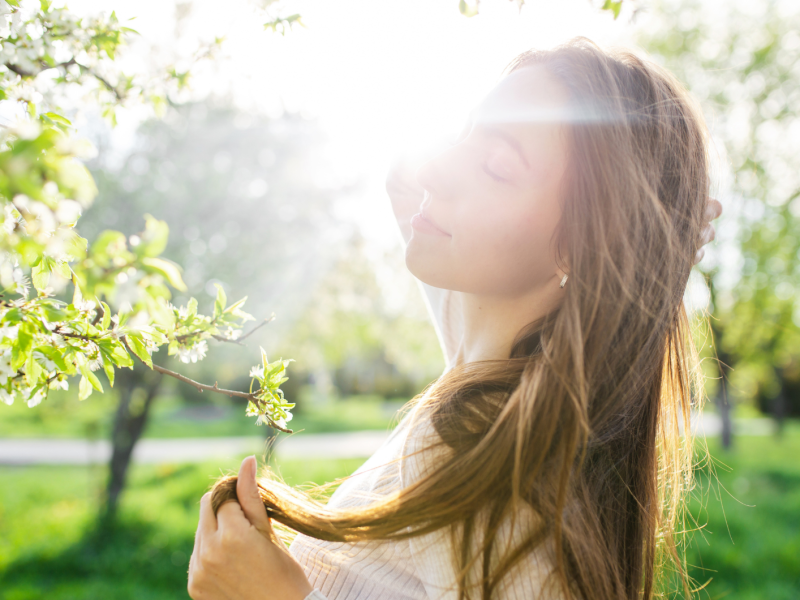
(237,555)
(713,210)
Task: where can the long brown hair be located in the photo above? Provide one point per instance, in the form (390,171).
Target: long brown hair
(587,421)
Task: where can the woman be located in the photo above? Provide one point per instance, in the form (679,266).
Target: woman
(554,241)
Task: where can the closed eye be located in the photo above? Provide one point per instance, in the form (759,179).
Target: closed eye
(491,174)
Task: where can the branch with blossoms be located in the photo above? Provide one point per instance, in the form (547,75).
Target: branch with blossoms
(81,51)
(46,341)
(267,399)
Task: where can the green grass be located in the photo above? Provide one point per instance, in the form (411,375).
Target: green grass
(63,416)
(49,547)
(750,547)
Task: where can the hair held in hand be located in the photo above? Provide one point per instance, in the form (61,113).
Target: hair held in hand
(583,422)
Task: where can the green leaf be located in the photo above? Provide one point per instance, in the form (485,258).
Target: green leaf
(84,389)
(32,370)
(62,268)
(54,355)
(114,352)
(614,6)
(153,238)
(236,305)
(13,316)
(167,269)
(109,245)
(57,118)
(122,318)
(77,295)
(160,312)
(109,369)
(22,349)
(264,360)
(53,313)
(40,273)
(138,347)
(191,308)
(106,322)
(74,244)
(466,9)
(87,373)
(222,299)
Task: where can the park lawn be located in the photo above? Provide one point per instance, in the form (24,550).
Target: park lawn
(750,545)
(64,416)
(48,548)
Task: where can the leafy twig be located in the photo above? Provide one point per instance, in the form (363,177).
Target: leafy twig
(215,388)
(246,335)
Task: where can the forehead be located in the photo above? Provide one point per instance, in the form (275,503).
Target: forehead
(529,95)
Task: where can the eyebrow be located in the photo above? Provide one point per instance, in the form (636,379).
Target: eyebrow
(509,139)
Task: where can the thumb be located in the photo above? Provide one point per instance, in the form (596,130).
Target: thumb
(249,498)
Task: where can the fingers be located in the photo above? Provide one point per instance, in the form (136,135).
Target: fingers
(250,499)
(709,233)
(713,209)
(699,255)
(208,522)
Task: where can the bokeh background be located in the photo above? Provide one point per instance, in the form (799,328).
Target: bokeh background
(269,169)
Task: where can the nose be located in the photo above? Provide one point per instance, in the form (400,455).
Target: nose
(426,175)
(439,174)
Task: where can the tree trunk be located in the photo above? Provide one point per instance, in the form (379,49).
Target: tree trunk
(780,408)
(724,406)
(137,390)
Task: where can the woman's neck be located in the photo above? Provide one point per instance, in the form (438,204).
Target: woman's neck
(492,322)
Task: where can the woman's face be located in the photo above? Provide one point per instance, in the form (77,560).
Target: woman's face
(492,199)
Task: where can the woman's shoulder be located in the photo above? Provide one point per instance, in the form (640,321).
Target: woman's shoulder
(380,474)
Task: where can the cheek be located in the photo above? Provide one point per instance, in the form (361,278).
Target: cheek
(509,246)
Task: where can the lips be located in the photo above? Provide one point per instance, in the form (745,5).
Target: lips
(421,223)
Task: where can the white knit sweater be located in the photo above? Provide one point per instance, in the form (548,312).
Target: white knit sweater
(421,568)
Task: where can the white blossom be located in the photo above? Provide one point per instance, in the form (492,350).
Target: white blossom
(10,219)
(257,372)
(21,283)
(35,399)
(193,354)
(6,396)
(59,384)
(48,364)
(87,305)
(232,334)
(27,130)
(5,367)
(68,211)
(9,331)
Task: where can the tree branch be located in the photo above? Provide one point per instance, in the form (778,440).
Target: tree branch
(102,80)
(246,335)
(215,388)
(196,384)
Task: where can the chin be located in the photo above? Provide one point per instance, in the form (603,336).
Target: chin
(429,264)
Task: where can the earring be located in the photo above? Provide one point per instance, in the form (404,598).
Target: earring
(563,280)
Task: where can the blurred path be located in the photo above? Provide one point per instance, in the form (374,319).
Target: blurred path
(355,444)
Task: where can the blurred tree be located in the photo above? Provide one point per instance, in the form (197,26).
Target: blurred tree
(369,334)
(49,54)
(239,192)
(743,64)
